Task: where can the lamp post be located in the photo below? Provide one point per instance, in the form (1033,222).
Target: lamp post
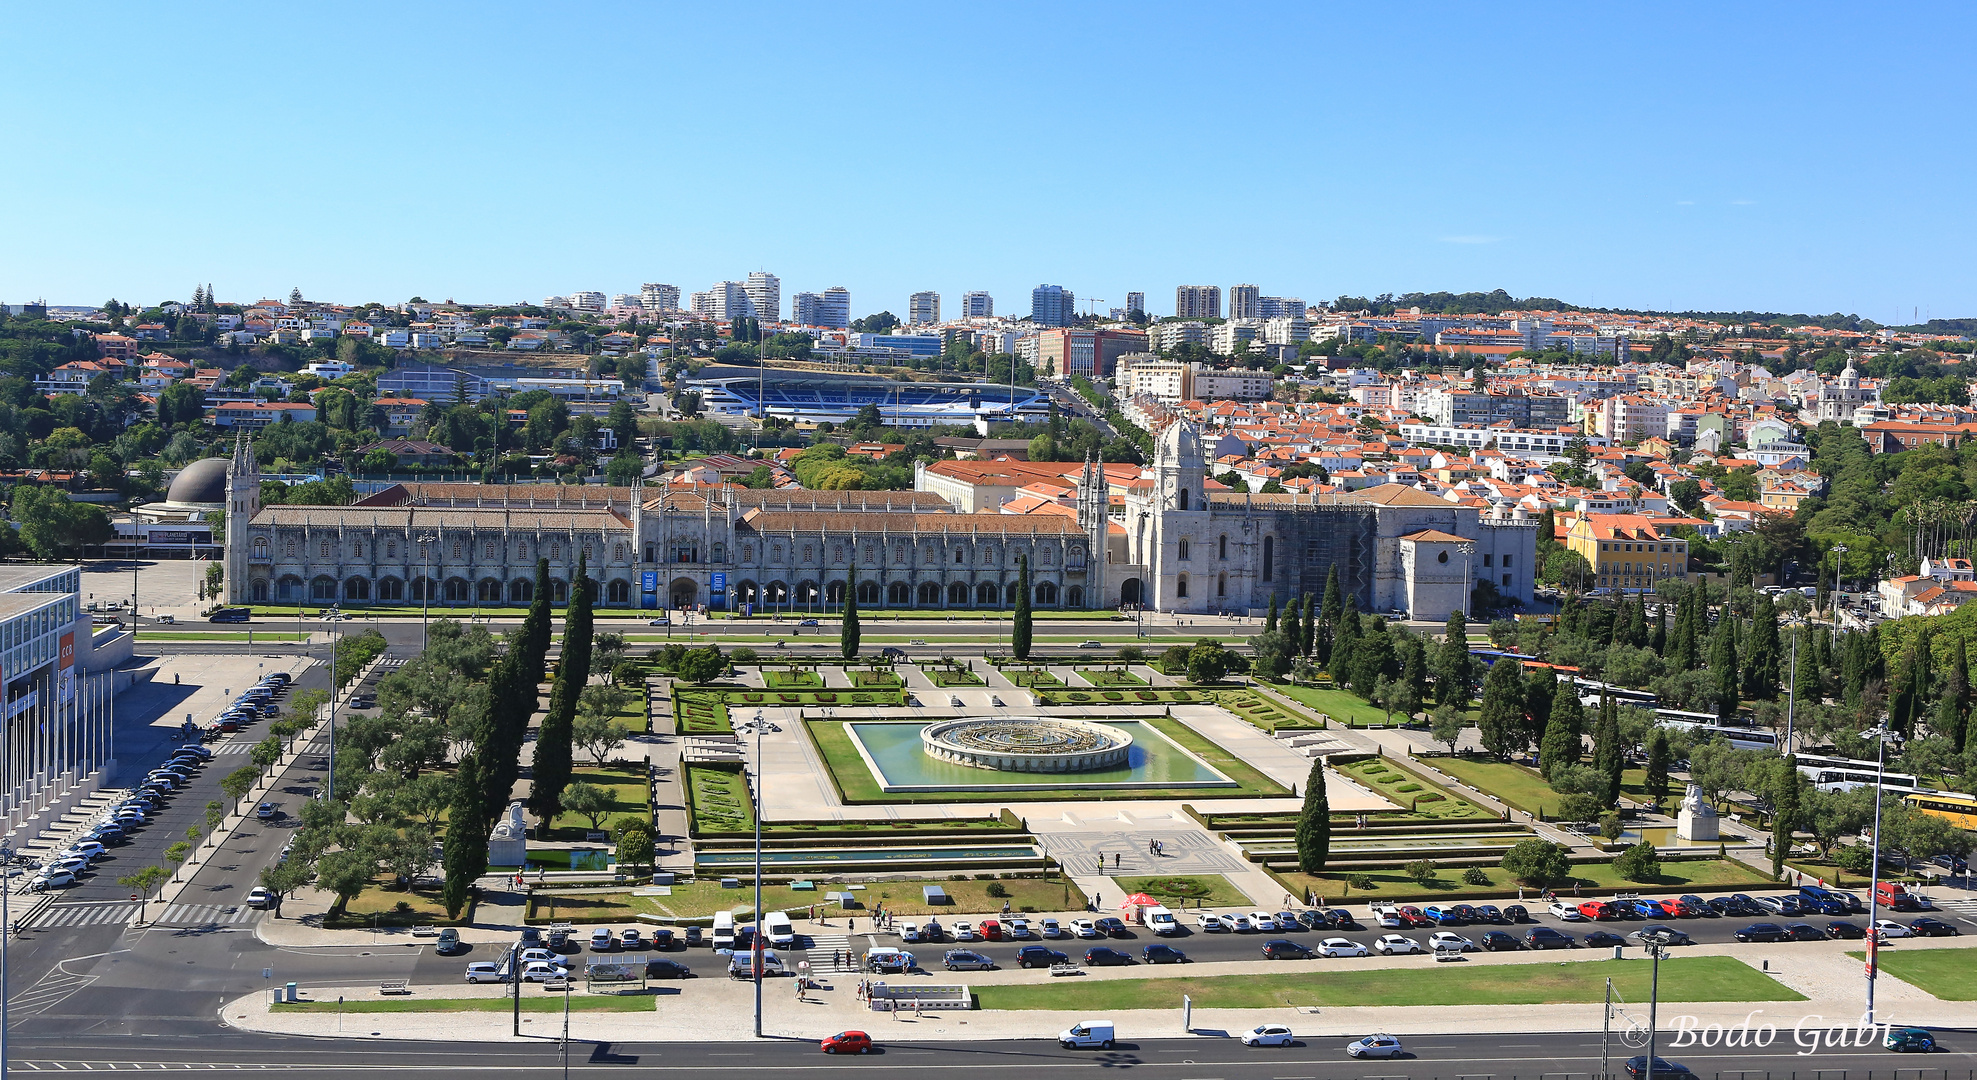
(425,542)
(1839,557)
(755,939)
(1792,690)
(1656,946)
(6,933)
(332,617)
(1880,735)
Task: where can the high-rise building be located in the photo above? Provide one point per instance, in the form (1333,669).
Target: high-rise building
(765,293)
(1135,304)
(1087,352)
(619,300)
(1244,301)
(1279,307)
(587,301)
(830,309)
(702,304)
(657,297)
(977,305)
(729,300)
(1198,301)
(803,308)
(1053,305)
(923,308)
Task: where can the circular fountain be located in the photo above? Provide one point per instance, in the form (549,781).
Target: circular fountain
(1037,744)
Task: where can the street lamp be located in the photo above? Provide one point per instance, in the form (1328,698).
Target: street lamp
(1880,735)
(1839,557)
(1656,946)
(6,932)
(755,940)
(425,542)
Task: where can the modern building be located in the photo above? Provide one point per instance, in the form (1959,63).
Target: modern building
(657,297)
(923,309)
(1277,307)
(977,305)
(1198,301)
(727,301)
(910,344)
(830,309)
(56,718)
(441,384)
(587,301)
(1245,302)
(1092,353)
(1053,305)
(1135,304)
(765,296)
(1167,335)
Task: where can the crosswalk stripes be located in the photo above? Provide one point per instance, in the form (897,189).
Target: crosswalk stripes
(206,915)
(820,949)
(232,748)
(1967,907)
(82,914)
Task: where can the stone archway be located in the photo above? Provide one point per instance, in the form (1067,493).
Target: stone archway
(1129,591)
(684,592)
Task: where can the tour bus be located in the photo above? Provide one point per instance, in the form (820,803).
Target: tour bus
(1959,808)
(1845,774)
(724,930)
(1591,690)
(231,615)
(1708,726)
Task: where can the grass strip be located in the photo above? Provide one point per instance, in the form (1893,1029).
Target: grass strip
(1699,978)
(1946,973)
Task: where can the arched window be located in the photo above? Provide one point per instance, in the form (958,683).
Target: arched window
(1181,586)
(291,549)
(522,550)
(1221,585)
(837,554)
(1012,593)
(1074,596)
(459,550)
(1046,592)
(260,547)
(325,549)
(322,588)
(988,555)
(957,594)
(1049,555)
(868,592)
(391,590)
(986,594)
(391,549)
(521,591)
(260,592)
(357,549)
(960,556)
(931,556)
(618,553)
(357,589)
(897,594)
(456,590)
(1183,499)
(1269,555)
(491,549)
(559,591)
(1223,549)
(555,551)
(488,591)
(899,555)
(1184,550)
(618,592)
(720,553)
(834,593)
(586,551)
(929,594)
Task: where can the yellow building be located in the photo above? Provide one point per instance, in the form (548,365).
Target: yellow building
(1627,552)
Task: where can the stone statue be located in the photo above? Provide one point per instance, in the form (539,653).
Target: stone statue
(1697,819)
(508,844)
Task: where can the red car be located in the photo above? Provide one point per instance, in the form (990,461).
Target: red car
(991,930)
(1596,909)
(1413,916)
(848,1042)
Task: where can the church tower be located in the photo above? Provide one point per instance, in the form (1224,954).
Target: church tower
(1179,469)
(1093,497)
(243,502)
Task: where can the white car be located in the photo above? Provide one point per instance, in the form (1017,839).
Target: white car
(1385,1046)
(1395,945)
(1888,928)
(484,971)
(1267,1035)
(543,972)
(1019,929)
(1338,946)
(1238,923)
(544,956)
(51,879)
(1208,920)
(909,933)
(1566,912)
(964,931)
(87,849)
(260,897)
(1051,929)
(1085,928)
(72,864)
(1262,921)
(1449,941)
(1386,918)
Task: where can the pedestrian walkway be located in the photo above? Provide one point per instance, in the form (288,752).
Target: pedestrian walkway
(84,914)
(820,951)
(224,749)
(207,915)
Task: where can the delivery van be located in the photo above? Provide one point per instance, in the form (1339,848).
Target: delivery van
(1161,921)
(776,925)
(1086,1034)
(724,930)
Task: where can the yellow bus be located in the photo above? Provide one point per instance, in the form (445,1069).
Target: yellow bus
(1959,808)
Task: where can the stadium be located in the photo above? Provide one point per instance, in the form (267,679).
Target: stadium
(815,398)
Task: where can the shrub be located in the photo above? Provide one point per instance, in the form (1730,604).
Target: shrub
(1422,871)
(1362,882)
(1638,863)
(998,890)
(1475,876)
(744,655)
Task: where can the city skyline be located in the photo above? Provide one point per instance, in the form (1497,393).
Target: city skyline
(1629,192)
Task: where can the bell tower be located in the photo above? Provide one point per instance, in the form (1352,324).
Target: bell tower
(243,502)
(1093,518)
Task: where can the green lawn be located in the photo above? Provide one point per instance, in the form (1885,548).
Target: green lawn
(627,786)
(1700,978)
(1196,890)
(379,905)
(1110,677)
(1404,787)
(1950,974)
(1592,879)
(719,799)
(1037,677)
(1341,705)
(792,680)
(545,1002)
(1519,785)
(945,677)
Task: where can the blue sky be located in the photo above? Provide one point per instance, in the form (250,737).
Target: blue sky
(1803,157)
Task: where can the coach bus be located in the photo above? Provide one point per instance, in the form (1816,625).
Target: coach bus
(1845,774)
(1706,726)
(1959,808)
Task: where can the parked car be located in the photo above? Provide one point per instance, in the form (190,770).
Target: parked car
(1395,945)
(964,931)
(448,942)
(1162,954)
(1566,911)
(1018,930)
(1498,941)
(1414,916)
(1765,931)
(1804,932)
(1085,928)
(1885,929)
(991,930)
(1286,949)
(602,939)
(1112,927)
(485,971)
(1926,927)
(1544,937)
(1449,941)
(1238,923)
(1209,921)
(1050,929)
(1596,909)
(1441,916)
(1845,931)
(1516,913)
(1600,939)
(1489,913)
(1031,956)
(966,960)
(1663,935)
(1104,957)
(1338,946)
(1268,1035)
(1380,1046)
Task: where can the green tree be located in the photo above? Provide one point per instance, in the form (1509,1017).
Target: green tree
(597,734)
(1786,786)
(283,878)
(345,873)
(536,628)
(236,784)
(1446,724)
(1314,823)
(1500,722)
(1207,663)
(589,801)
(53,526)
(1609,756)
(1659,758)
(1333,610)
(1953,711)
(635,842)
(1453,666)
(553,752)
(1541,688)
(1308,641)
(1723,674)
(702,666)
(465,853)
(1270,620)
(1563,726)
(1537,863)
(1638,863)
(1761,666)
(848,632)
(1019,635)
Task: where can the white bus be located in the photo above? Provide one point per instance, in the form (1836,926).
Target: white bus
(1590,691)
(1707,726)
(1845,774)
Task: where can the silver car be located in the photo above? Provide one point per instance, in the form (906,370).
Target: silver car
(966,960)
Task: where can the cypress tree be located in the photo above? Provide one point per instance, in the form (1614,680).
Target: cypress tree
(536,628)
(1658,760)
(1805,680)
(553,754)
(848,632)
(464,859)
(1762,660)
(1310,629)
(1293,630)
(1659,641)
(1333,609)
(1681,651)
(1853,667)
(1723,673)
(1500,721)
(1953,714)
(1784,810)
(1270,621)
(1019,635)
(1567,721)
(1607,755)
(511,701)
(1541,686)
(1414,665)
(1314,822)
(1453,666)
(1877,661)
(1373,659)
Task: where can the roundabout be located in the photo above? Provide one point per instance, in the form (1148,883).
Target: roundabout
(1029,744)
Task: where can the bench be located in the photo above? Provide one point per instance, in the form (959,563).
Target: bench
(595,835)
(1066,969)
(425,931)
(395,986)
(555,985)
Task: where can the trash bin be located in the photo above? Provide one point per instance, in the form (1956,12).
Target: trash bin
(290,991)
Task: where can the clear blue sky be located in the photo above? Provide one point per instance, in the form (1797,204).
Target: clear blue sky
(1795,157)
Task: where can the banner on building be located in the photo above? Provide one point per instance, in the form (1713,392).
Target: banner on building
(65,670)
(648,588)
(718,586)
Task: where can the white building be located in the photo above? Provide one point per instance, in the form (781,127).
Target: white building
(1198,301)
(1286,330)
(834,308)
(977,305)
(1163,337)
(657,297)
(1227,339)
(923,308)
(1518,442)
(1245,302)
(587,301)
(1231,384)
(765,296)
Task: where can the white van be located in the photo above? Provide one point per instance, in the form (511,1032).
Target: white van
(776,925)
(1087,1033)
(1161,921)
(724,930)
(741,963)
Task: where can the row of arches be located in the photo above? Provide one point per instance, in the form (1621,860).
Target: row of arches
(897,594)
(291,588)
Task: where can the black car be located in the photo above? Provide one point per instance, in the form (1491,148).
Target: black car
(1845,931)
(1038,956)
(1805,932)
(694,937)
(1697,905)
(1111,927)
(661,938)
(1764,931)
(1285,949)
(1600,939)
(1664,935)
(1163,954)
(1489,913)
(1933,928)
(1742,904)
(1516,913)
(667,969)
(1544,937)
(1720,906)
(1339,918)
(1498,941)
(1103,957)
(1637,1067)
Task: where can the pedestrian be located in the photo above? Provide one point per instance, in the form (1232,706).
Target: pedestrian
(1115,860)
